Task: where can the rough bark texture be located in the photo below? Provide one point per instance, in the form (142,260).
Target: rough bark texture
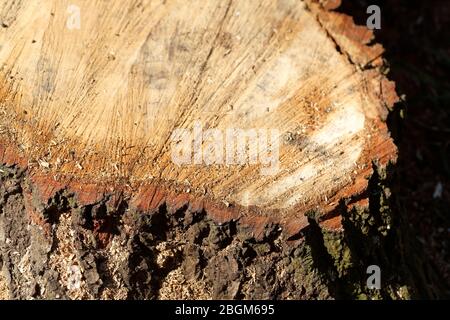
(109,249)
(65,238)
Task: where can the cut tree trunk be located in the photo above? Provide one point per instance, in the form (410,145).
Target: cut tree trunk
(193,149)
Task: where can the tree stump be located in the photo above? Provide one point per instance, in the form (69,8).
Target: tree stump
(192,149)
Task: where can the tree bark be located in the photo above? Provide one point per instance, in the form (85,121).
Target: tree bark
(93,203)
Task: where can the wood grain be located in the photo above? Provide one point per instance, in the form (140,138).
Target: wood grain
(99,105)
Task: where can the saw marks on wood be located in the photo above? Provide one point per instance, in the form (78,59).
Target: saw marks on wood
(112,100)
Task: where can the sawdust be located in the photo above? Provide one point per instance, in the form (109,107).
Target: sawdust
(166,252)
(114,294)
(118,255)
(64,260)
(175,286)
(4,292)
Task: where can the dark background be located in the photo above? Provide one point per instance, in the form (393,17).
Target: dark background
(416,37)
